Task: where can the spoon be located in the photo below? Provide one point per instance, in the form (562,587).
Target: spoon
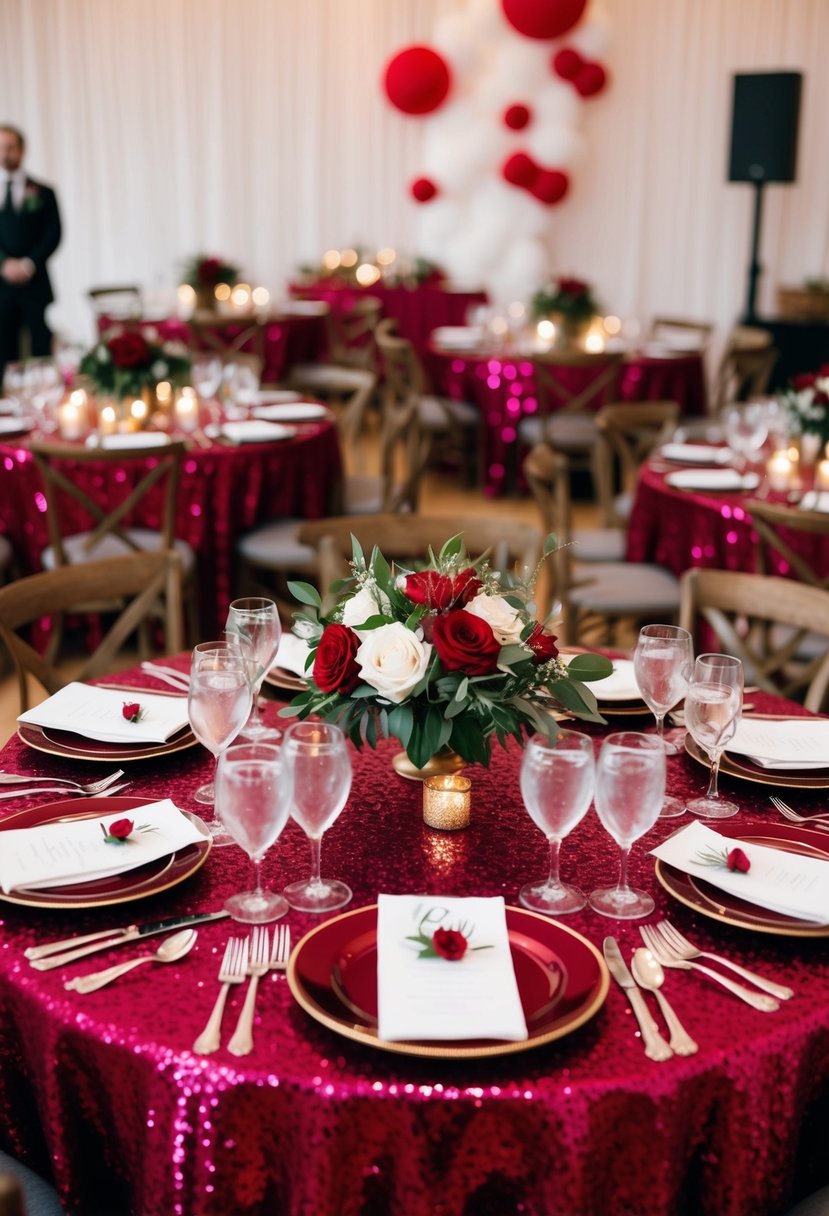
(648,973)
(170,951)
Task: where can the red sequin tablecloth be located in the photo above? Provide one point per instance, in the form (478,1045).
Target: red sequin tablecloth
(223,491)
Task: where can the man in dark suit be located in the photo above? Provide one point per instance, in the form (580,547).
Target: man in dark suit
(29,235)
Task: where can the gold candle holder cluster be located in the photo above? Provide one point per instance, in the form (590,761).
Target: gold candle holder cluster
(447,801)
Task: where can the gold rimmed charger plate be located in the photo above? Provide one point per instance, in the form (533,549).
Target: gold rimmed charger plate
(280,677)
(740,766)
(150,879)
(314,981)
(720,905)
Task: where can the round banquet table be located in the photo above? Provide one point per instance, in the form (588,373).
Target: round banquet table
(681,529)
(503,386)
(223,491)
(104,1091)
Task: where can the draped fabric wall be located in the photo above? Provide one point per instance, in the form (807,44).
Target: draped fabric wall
(259,131)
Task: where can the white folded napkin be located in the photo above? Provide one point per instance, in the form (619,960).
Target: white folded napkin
(255,431)
(695,453)
(13,426)
(788,883)
(474,997)
(815,500)
(135,439)
(794,743)
(712,479)
(65,853)
(458,335)
(97,713)
(291,411)
(292,655)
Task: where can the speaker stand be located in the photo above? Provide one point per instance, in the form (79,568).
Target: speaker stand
(754,267)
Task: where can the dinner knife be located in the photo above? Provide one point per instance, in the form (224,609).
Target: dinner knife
(655,1046)
(55,954)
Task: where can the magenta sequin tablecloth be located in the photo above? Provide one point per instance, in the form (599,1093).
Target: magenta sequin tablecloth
(223,492)
(104,1092)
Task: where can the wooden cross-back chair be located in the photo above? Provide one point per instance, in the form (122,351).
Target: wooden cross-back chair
(743,373)
(118,300)
(137,582)
(627,434)
(745,611)
(229,336)
(779,528)
(694,335)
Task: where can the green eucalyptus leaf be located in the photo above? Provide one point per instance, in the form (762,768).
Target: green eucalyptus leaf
(305,593)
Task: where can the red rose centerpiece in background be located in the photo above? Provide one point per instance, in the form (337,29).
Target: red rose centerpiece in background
(444,658)
(127,360)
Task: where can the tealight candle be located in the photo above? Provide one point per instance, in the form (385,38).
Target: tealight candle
(108,421)
(187,410)
(446,801)
(779,471)
(70,419)
(822,475)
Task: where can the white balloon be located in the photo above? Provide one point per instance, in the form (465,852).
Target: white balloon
(555,147)
(522,266)
(591,38)
(437,222)
(557,103)
(458,153)
(522,63)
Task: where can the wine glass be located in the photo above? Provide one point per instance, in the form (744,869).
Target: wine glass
(319,764)
(713,705)
(662,664)
(218,704)
(253,624)
(253,794)
(206,376)
(746,430)
(630,788)
(556,786)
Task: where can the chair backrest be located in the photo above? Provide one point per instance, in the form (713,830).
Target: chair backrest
(138,581)
(628,433)
(104,498)
(744,372)
(350,329)
(547,473)
(404,443)
(513,546)
(784,544)
(228,335)
(740,608)
(118,300)
(684,331)
(576,381)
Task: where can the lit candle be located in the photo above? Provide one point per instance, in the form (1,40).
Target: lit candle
(70,419)
(187,410)
(779,471)
(108,421)
(822,474)
(446,801)
(138,414)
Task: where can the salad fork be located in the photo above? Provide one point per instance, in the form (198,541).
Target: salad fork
(31,790)
(656,944)
(281,952)
(232,971)
(92,788)
(685,949)
(819,821)
(241,1044)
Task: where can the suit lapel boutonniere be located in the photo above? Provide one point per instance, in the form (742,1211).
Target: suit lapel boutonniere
(32,198)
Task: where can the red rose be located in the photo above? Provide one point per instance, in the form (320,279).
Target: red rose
(804,380)
(129,350)
(449,943)
(572,287)
(543,645)
(208,270)
(131,711)
(466,643)
(737,860)
(334,666)
(440,591)
(466,585)
(121,828)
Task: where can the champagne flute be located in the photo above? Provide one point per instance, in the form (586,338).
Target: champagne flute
(713,705)
(253,794)
(254,624)
(556,786)
(319,764)
(630,787)
(662,664)
(218,704)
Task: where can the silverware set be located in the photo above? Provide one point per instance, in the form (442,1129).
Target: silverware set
(820,822)
(244,958)
(168,675)
(59,785)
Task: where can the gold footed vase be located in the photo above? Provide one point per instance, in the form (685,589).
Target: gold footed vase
(444,761)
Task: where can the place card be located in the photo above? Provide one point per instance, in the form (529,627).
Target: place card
(65,853)
(98,713)
(788,883)
(794,743)
(434,998)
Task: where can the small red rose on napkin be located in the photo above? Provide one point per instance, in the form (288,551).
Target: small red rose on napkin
(737,860)
(118,832)
(449,943)
(132,711)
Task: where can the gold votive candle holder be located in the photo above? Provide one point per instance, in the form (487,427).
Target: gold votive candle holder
(447,800)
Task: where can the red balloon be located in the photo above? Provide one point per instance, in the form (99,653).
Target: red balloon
(423,189)
(567,63)
(550,186)
(543,18)
(517,116)
(417,80)
(519,170)
(590,79)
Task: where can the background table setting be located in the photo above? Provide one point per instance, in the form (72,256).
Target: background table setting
(317,1118)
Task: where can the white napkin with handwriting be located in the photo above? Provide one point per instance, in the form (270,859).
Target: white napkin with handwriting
(474,997)
(61,854)
(97,713)
(792,744)
(788,883)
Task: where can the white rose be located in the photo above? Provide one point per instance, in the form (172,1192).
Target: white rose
(392,659)
(369,601)
(159,370)
(504,620)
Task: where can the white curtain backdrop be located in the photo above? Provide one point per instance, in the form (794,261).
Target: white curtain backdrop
(259,131)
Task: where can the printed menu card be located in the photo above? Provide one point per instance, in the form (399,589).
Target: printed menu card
(99,713)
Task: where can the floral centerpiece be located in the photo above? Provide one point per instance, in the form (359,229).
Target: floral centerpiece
(446,657)
(568,298)
(126,360)
(206,271)
(807,403)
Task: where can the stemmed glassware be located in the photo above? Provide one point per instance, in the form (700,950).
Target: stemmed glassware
(556,786)
(254,627)
(630,787)
(253,794)
(746,431)
(218,704)
(713,706)
(319,764)
(662,662)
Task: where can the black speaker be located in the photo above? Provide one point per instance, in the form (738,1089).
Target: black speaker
(764,123)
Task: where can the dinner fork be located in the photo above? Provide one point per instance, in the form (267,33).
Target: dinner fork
(685,949)
(232,971)
(819,821)
(656,944)
(93,787)
(281,952)
(59,789)
(241,1043)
